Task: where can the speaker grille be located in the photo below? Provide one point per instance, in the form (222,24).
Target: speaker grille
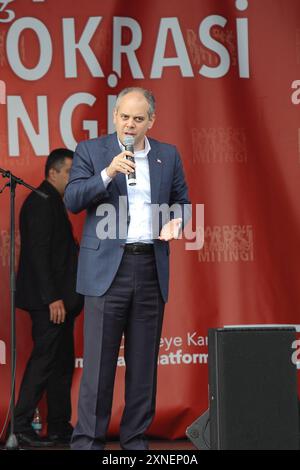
(253,389)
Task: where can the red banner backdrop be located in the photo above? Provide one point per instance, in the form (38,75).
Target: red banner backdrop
(224,73)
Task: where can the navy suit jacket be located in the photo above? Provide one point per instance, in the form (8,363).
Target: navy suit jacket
(99,259)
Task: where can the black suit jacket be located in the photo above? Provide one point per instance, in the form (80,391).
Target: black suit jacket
(48,258)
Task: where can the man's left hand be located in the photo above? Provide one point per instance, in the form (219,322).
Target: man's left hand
(170,230)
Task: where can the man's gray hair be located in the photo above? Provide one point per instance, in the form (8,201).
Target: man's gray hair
(146,93)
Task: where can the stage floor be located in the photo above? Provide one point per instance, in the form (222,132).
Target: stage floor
(153,445)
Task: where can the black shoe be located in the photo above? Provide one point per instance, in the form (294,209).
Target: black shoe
(32,439)
(62,436)
(60,439)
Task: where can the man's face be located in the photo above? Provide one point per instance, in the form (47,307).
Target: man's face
(131,118)
(59,179)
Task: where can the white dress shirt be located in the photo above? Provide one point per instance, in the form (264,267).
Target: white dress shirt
(139,198)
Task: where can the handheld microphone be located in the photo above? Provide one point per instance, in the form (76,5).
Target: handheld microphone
(128,144)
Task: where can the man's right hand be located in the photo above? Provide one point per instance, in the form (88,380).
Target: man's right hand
(120,165)
(57,312)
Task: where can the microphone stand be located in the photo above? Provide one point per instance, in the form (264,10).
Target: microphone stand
(12,441)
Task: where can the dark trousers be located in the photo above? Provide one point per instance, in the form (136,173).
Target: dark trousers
(132,305)
(49,369)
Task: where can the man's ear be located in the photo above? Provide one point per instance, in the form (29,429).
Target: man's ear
(151,121)
(114,115)
(52,174)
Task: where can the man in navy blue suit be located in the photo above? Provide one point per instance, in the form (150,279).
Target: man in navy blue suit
(123,271)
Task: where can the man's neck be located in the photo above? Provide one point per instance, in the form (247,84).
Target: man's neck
(54,186)
(141,146)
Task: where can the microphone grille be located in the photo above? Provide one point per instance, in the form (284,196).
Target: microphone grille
(129,140)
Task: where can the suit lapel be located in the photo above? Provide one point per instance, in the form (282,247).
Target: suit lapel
(120,181)
(155,170)
(113,150)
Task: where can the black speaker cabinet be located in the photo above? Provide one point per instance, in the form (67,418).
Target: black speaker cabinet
(199,432)
(253,389)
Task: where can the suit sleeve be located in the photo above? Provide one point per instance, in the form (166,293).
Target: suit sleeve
(84,188)
(39,229)
(179,191)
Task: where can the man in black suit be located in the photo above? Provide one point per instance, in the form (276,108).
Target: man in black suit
(46,289)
